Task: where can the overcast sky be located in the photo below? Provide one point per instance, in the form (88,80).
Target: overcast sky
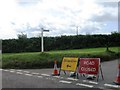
(61,17)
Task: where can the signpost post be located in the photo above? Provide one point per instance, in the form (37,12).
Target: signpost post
(42,41)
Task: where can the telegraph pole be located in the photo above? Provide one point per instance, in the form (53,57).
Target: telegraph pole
(42,41)
(42,47)
(76,30)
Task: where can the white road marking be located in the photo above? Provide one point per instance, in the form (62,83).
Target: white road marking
(110,85)
(72,79)
(45,75)
(62,81)
(6,70)
(26,71)
(35,73)
(12,71)
(85,85)
(19,70)
(29,74)
(19,73)
(56,76)
(87,81)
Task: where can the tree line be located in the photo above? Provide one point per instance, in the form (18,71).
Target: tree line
(24,44)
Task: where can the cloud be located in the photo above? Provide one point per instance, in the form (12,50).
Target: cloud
(109,12)
(59,16)
(109,4)
(28,2)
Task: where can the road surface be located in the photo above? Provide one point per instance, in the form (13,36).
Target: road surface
(42,78)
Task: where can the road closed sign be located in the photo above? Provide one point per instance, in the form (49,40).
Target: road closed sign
(89,65)
(69,64)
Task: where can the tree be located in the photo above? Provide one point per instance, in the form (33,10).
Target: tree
(22,36)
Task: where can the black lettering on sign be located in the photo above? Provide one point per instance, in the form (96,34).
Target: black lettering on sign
(70,61)
(68,66)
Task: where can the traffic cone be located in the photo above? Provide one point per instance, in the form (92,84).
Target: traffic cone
(55,72)
(117,80)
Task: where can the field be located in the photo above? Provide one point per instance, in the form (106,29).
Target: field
(46,59)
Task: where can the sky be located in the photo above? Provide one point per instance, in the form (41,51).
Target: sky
(60,17)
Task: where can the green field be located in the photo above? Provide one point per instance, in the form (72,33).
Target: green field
(46,59)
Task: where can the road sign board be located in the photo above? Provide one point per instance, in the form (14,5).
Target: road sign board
(89,65)
(46,30)
(69,64)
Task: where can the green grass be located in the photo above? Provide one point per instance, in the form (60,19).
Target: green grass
(87,51)
(45,60)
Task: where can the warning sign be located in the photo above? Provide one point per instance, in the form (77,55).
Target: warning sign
(89,65)
(69,64)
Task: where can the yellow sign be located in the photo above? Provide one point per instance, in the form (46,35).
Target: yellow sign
(69,64)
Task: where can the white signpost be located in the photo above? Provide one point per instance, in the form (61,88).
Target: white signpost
(42,41)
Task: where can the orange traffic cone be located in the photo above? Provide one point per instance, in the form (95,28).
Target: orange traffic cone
(55,72)
(117,80)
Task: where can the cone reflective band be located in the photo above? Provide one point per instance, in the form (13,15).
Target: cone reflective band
(55,72)
(89,65)
(117,80)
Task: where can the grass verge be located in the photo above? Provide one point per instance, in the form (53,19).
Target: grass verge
(33,60)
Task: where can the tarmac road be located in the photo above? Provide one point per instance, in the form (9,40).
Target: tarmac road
(41,78)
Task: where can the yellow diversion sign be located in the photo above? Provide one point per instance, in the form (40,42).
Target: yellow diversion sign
(69,64)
